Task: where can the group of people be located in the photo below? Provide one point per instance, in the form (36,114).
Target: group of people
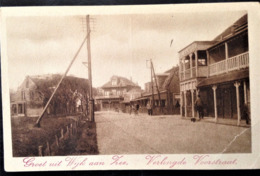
(134,108)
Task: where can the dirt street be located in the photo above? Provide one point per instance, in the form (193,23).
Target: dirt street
(119,133)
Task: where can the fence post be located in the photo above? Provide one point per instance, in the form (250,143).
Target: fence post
(71,129)
(57,140)
(48,149)
(40,150)
(61,132)
(68,131)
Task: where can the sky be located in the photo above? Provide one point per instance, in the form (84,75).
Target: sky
(120,44)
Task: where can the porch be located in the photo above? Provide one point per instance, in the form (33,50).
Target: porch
(233,63)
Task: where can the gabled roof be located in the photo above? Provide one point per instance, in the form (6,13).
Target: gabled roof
(122,82)
(172,80)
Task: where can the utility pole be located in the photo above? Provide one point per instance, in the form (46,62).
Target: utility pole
(156,86)
(152,84)
(37,124)
(91,100)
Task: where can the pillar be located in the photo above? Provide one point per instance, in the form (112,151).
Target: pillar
(184,69)
(226,55)
(192,102)
(196,62)
(185,104)
(197,94)
(181,102)
(215,102)
(245,94)
(237,84)
(190,65)
(207,52)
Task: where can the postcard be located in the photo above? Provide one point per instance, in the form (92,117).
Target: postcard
(131,87)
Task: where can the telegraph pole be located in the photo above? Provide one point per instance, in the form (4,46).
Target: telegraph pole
(156,86)
(91,100)
(152,83)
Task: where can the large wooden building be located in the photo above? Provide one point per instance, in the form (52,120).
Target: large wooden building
(115,92)
(218,71)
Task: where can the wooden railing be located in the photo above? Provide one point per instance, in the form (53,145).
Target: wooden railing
(230,64)
(187,74)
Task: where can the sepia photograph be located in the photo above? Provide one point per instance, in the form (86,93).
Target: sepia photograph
(129,84)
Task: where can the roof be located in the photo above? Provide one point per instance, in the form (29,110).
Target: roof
(163,74)
(123,82)
(224,78)
(198,42)
(43,81)
(172,79)
(236,27)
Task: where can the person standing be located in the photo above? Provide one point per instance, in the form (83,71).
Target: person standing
(149,108)
(199,107)
(137,108)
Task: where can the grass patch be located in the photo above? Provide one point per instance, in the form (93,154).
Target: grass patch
(26,138)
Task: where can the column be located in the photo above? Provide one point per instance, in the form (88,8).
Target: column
(190,65)
(184,68)
(226,55)
(207,52)
(185,103)
(197,94)
(237,84)
(196,62)
(192,102)
(245,94)
(215,102)
(181,100)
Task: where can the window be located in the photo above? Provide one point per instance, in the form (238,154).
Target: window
(202,62)
(114,82)
(114,91)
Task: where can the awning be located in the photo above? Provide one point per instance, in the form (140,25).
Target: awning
(141,98)
(223,78)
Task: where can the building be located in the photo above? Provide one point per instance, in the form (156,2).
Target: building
(218,71)
(169,92)
(116,91)
(34,92)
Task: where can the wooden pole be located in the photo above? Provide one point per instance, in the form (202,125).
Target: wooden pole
(152,85)
(157,86)
(91,100)
(72,61)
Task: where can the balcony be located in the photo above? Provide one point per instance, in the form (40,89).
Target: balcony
(187,73)
(230,64)
(109,97)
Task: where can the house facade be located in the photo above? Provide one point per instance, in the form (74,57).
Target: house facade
(116,91)
(218,71)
